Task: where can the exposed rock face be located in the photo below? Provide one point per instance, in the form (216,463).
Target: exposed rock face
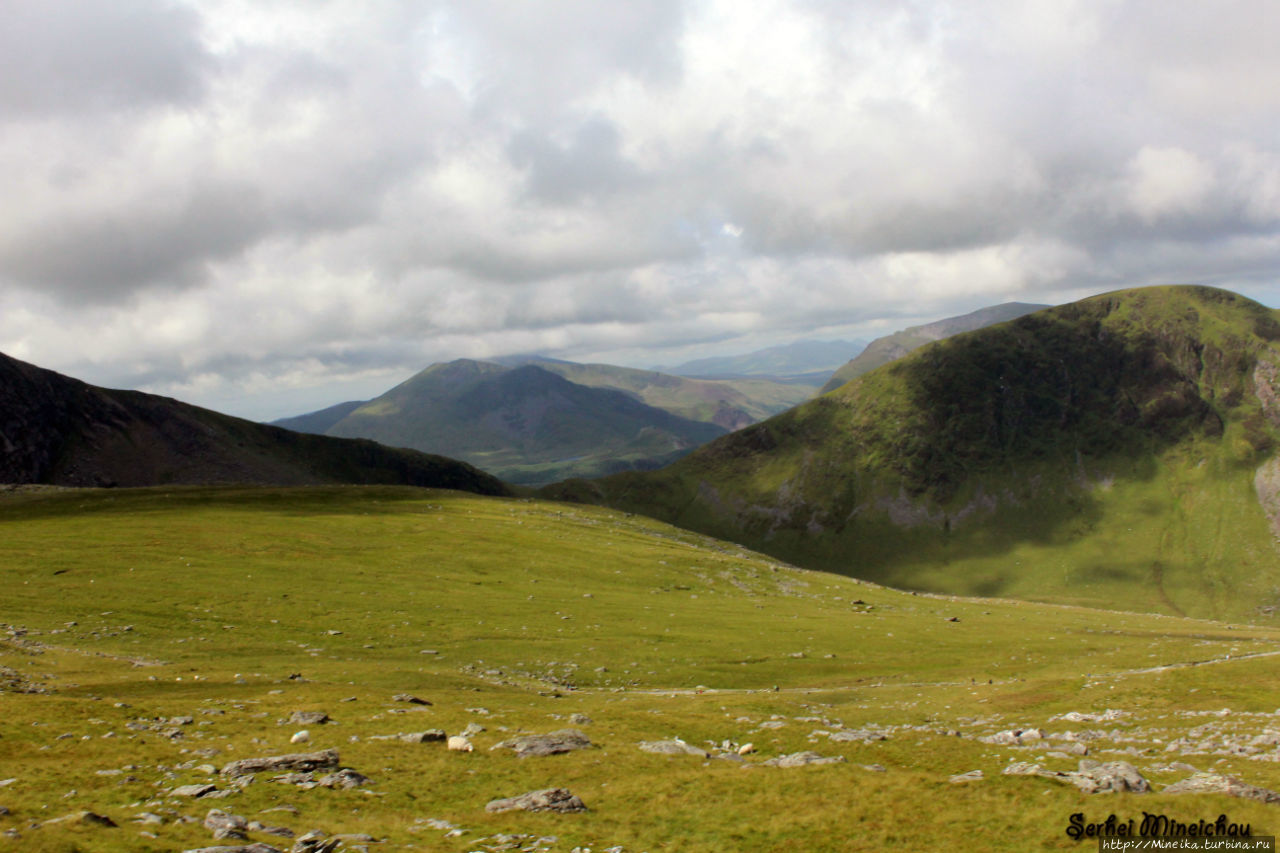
(672,747)
(552,743)
(1212,783)
(301,761)
(546,800)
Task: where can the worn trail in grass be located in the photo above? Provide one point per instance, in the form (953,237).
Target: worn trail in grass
(137,609)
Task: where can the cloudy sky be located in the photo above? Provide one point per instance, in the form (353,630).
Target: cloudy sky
(270,207)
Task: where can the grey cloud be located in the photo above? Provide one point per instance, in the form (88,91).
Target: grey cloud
(590,165)
(103,257)
(60,56)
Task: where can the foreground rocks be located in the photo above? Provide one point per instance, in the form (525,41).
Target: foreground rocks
(546,800)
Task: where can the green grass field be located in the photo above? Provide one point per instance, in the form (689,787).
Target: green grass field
(237,607)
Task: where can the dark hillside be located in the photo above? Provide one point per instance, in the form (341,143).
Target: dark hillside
(54,429)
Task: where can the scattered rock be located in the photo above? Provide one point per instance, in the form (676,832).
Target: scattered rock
(309,718)
(84,818)
(546,800)
(259,826)
(429,736)
(971,776)
(472,730)
(1014,737)
(196,791)
(799,759)
(346,779)
(257,847)
(553,743)
(301,761)
(580,719)
(1095,778)
(1212,783)
(411,699)
(224,825)
(1092,777)
(672,747)
(314,842)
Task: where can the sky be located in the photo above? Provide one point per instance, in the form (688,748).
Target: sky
(266,208)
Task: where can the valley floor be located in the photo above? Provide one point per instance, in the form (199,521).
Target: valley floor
(154,637)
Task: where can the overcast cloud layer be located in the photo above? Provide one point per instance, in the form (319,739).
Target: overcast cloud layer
(268,210)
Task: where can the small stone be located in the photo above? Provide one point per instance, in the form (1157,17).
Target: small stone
(309,718)
(412,700)
(971,776)
(580,719)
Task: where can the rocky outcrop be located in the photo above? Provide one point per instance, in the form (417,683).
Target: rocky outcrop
(552,743)
(300,762)
(546,800)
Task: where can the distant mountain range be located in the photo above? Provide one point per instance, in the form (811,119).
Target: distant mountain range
(809,362)
(531,420)
(890,347)
(1119,451)
(61,431)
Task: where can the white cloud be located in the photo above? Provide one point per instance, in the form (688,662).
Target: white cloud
(1167,182)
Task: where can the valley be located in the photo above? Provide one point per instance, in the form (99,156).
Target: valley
(154,637)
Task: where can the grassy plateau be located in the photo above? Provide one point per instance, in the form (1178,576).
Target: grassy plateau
(151,636)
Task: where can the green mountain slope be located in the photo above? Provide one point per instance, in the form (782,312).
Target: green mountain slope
(58,430)
(525,424)
(730,403)
(153,636)
(890,347)
(1115,451)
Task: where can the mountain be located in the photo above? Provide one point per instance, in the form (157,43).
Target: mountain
(886,349)
(805,359)
(320,421)
(1117,451)
(730,403)
(525,424)
(58,430)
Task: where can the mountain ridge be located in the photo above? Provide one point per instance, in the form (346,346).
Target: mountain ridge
(889,347)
